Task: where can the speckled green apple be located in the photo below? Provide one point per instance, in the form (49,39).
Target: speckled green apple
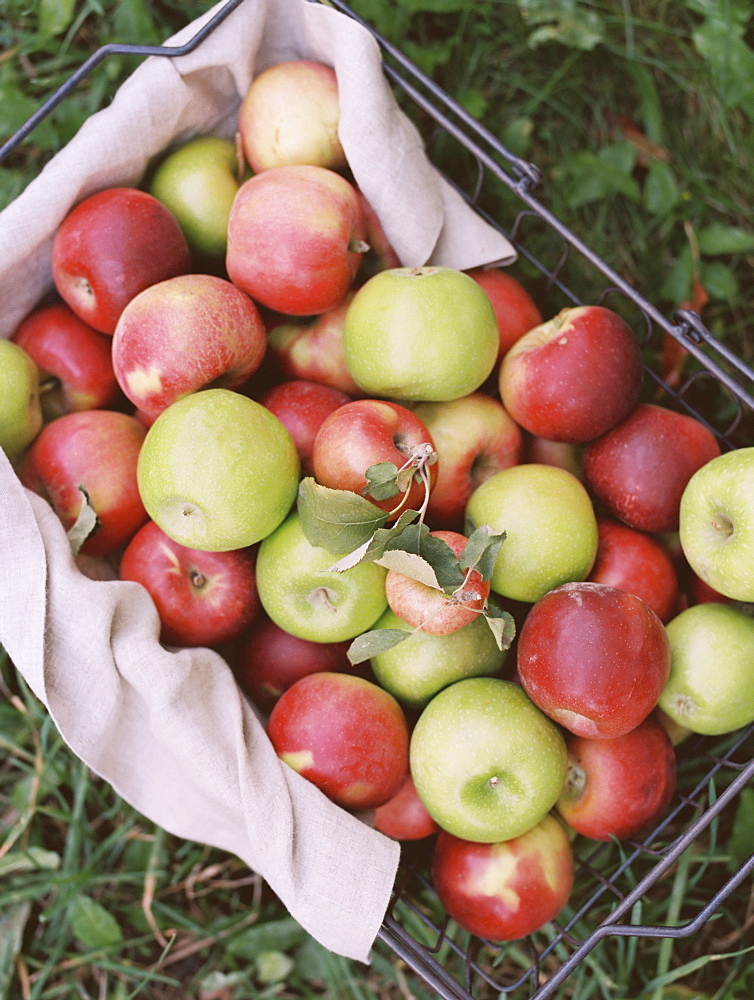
(20,407)
(420,333)
(218,471)
(710,689)
(550,525)
(302,595)
(487,763)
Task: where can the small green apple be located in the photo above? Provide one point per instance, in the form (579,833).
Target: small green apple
(710,689)
(716,523)
(303,596)
(550,525)
(20,406)
(487,763)
(198,182)
(418,667)
(217,471)
(420,333)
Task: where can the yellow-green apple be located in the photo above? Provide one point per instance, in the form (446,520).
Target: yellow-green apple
(433,611)
(593,658)
(422,664)
(716,523)
(404,817)
(516,311)
(345,735)
(110,247)
(202,598)
(710,689)
(637,562)
(640,468)
(97,451)
(296,239)
(300,592)
(290,115)
(550,524)
(487,763)
(618,787)
(74,361)
(420,333)
(507,890)
(190,332)
(573,377)
(474,438)
(218,471)
(313,349)
(20,406)
(270,660)
(198,181)
(302,406)
(366,432)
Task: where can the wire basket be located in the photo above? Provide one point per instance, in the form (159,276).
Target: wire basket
(613,881)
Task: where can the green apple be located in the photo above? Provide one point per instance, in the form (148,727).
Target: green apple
(710,689)
(217,471)
(303,596)
(716,524)
(20,406)
(486,762)
(550,525)
(418,667)
(420,333)
(198,182)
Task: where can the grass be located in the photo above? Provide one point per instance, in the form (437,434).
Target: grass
(638,114)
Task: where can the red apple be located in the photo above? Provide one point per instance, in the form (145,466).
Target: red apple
(515,310)
(110,247)
(573,377)
(290,115)
(699,592)
(561,454)
(302,406)
(640,468)
(639,563)
(431,610)
(202,598)
(74,360)
(506,890)
(381,254)
(270,660)
(363,433)
(346,735)
(194,331)
(618,787)
(474,437)
(593,658)
(97,450)
(296,239)
(314,350)
(404,817)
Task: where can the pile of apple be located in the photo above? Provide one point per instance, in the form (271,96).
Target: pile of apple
(472,580)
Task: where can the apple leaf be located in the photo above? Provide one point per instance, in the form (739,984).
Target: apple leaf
(502,624)
(381,481)
(481,550)
(85,524)
(370,644)
(337,520)
(417,539)
(373,547)
(411,565)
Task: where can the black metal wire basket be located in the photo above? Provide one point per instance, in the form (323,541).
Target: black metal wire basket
(613,880)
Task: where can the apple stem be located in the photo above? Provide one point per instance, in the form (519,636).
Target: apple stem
(721,522)
(323,597)
(419,456)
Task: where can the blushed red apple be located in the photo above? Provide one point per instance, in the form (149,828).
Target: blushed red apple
(110,247)
(302,406)
(516,311)
(573,377)
(593,658)
(296,239)
(346,735)
(202,598)
(74,360)
(404,816)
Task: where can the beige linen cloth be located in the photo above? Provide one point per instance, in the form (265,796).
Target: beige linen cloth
(169,729)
